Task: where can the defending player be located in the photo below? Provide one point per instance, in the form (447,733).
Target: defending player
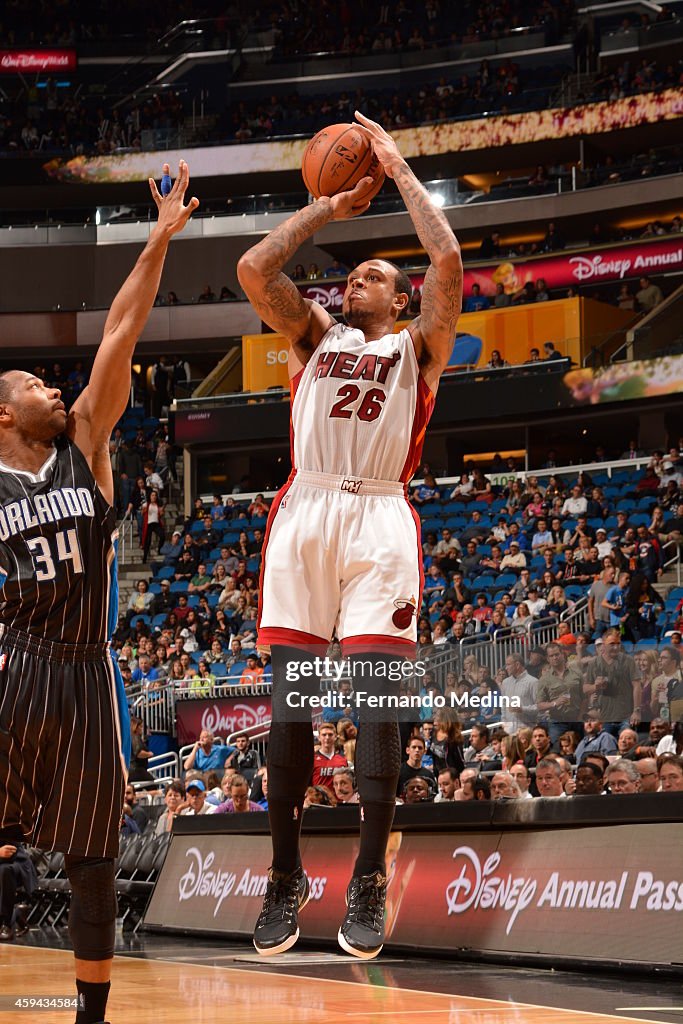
(64,728)
(342,544)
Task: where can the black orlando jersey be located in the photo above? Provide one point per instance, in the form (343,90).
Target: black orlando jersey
(57,550)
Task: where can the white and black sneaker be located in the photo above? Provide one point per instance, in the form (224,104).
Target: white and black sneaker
(277,928)
(362,931)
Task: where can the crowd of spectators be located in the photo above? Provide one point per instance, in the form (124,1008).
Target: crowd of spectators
(575,734)
(394,25)
(629,78)
(503,87)
(500,557)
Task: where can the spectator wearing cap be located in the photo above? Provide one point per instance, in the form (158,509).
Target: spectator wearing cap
(535,603)
(515,559)
(602,543)
(164,602)
(596,740)
(195,793)
(171,549)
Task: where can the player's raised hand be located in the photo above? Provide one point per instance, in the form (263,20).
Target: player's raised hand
(173,213)
(384,147)
(347,204)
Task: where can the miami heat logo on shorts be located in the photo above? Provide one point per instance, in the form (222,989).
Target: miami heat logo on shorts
(405,609)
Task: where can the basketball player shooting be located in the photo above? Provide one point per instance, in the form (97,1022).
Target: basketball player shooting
(64,726)
(342,547)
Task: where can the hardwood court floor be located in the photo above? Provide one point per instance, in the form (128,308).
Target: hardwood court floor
(149,989)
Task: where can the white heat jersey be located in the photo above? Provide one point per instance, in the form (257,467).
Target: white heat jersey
(360,408)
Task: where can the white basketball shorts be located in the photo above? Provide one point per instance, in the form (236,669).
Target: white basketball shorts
(341,554)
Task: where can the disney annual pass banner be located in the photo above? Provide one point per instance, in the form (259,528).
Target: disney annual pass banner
(589,892)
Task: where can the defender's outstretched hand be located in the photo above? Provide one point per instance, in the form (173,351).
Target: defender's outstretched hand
(347,204)
(384,147)
(173,214)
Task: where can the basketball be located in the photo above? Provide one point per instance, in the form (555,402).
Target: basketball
(337,158)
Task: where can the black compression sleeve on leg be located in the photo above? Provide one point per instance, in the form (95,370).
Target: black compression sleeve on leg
(92,915)
(289,760)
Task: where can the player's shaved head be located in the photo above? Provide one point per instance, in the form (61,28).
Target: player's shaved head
(8,382)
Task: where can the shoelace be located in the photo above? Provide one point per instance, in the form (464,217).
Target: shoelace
(280,900)
(366,903)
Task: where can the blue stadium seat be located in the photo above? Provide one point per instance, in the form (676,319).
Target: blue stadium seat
(215,554)
(506,579)
(192,600)
(237,670)
(254,563)
(155,588)
(179,587)
(258,522)
(646,504)
(249,624)
(671,603)
(167,572)
(197,527)
(140,618)
(158,620)
(429,525)
(482,582)
(574,591)
(677,592)
(650,642)
(640,519)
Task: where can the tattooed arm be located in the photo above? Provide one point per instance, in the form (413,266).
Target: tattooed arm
(275,298)
(434,330)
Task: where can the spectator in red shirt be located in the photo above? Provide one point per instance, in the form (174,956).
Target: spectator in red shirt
(326,758)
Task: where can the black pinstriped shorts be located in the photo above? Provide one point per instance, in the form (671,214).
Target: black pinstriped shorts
(62,773)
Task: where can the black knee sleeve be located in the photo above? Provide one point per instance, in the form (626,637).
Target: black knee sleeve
(378,748)
(92,916)
(378,761)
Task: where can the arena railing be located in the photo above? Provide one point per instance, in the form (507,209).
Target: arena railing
(164,768)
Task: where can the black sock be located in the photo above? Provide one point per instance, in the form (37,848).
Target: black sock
(375,827)
(93,997)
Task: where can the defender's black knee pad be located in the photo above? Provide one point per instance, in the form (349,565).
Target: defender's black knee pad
(92,916)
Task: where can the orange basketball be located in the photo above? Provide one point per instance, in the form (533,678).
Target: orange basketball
(336,159)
